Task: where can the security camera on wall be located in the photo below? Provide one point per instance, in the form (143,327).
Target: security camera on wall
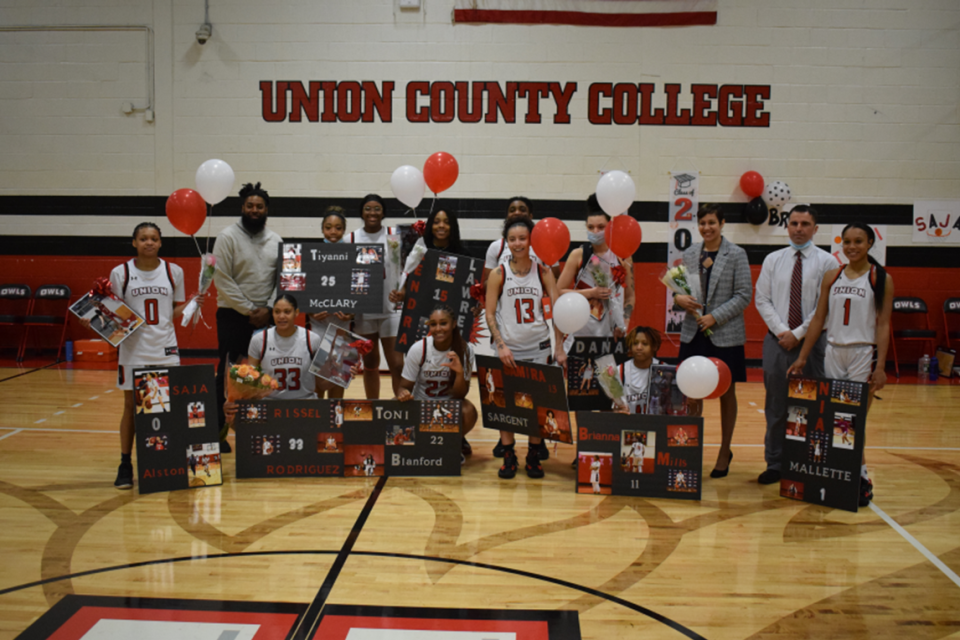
(203,33)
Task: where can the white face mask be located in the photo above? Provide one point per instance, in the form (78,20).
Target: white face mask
(596,238)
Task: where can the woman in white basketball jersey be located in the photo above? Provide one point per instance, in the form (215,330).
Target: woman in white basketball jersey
(439,367)
(382,327)
(153,288)
(643,343)
(516,292)
(854,307)
(284,352)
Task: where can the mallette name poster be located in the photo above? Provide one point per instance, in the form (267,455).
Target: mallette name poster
(348,438)
(175,420)
(528,399)
(636,455)
(332,277)
(823,441)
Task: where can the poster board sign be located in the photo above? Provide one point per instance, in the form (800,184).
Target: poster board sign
(683,201)
(336,355)
(440,278)
(823,441)
(176,432)
(583,390)
(109,317)
(529,399)
(936,222)
(347,438)
(332,277)
(645,456)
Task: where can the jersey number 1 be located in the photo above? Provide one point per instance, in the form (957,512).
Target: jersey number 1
(846,312)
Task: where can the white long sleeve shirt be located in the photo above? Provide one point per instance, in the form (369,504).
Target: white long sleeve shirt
(773,287)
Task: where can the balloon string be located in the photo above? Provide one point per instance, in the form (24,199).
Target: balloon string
(432,202)
(209,222)
(198,245)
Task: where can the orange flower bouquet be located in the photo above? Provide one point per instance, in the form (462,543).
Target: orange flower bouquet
(246,382)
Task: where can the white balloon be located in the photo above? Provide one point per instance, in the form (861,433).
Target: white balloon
(776,194)
(408,185)
(214,180)
(697,377)
(616,192)
(571,312)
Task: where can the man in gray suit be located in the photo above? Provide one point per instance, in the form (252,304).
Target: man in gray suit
(787,293)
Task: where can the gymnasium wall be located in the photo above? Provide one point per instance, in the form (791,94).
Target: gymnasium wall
(854,105)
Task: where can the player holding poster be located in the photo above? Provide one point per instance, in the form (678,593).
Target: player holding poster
(520,295)
(854,307)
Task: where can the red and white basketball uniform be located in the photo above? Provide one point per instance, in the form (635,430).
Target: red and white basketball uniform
(287,360)
(520,315)
(423,366)
(851,328)
(385,324)
(152,295)
(636,386)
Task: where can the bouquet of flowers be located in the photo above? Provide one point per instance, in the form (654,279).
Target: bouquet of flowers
(413,261)
(393,266)
(604,276)
(245,382)
(609,379)
(677,280)
(192,313)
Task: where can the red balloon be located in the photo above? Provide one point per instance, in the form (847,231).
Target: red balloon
(550,240)
(440,171)
(725,379)
(751,183)
(186,211)
(623,236)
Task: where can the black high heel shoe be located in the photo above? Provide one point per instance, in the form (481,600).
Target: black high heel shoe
(717,473)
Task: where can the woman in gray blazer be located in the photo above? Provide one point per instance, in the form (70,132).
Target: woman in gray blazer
(726,288)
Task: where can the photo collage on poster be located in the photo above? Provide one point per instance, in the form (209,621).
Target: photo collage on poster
(639,455)
(823,441)
(348,438)
(585,362)
(109,317)
(332,277)
(440,278)
(177,438)
(529,399)
(338,352)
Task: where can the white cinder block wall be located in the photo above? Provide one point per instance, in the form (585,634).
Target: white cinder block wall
(863,106)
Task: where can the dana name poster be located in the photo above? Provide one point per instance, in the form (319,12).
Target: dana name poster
(633,455)
(175,423)
(332,277)
(347,438)
(823,441)
(440,278)
(528,399)
(583,391)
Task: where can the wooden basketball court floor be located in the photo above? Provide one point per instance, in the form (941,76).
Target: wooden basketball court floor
(741,563)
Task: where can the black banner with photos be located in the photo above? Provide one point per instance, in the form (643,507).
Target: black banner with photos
(823,441)
(347,438)
(635,455)
(528,399)
(332,277)
(440,278)
(583,390)
(176,432)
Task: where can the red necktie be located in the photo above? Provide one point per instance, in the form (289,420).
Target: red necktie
(796,293)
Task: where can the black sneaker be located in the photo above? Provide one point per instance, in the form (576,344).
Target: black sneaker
(866,492)
(225,447)
(509,468)
(499,449)
(542,450)
(534,468)
(465,448)
(124,476)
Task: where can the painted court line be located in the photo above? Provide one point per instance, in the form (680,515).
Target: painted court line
(947,571)
(12,433)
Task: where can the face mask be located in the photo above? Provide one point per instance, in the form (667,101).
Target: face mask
(801,247)
(596,238)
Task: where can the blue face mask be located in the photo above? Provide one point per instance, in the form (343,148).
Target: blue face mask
(801,247)
(596,238)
